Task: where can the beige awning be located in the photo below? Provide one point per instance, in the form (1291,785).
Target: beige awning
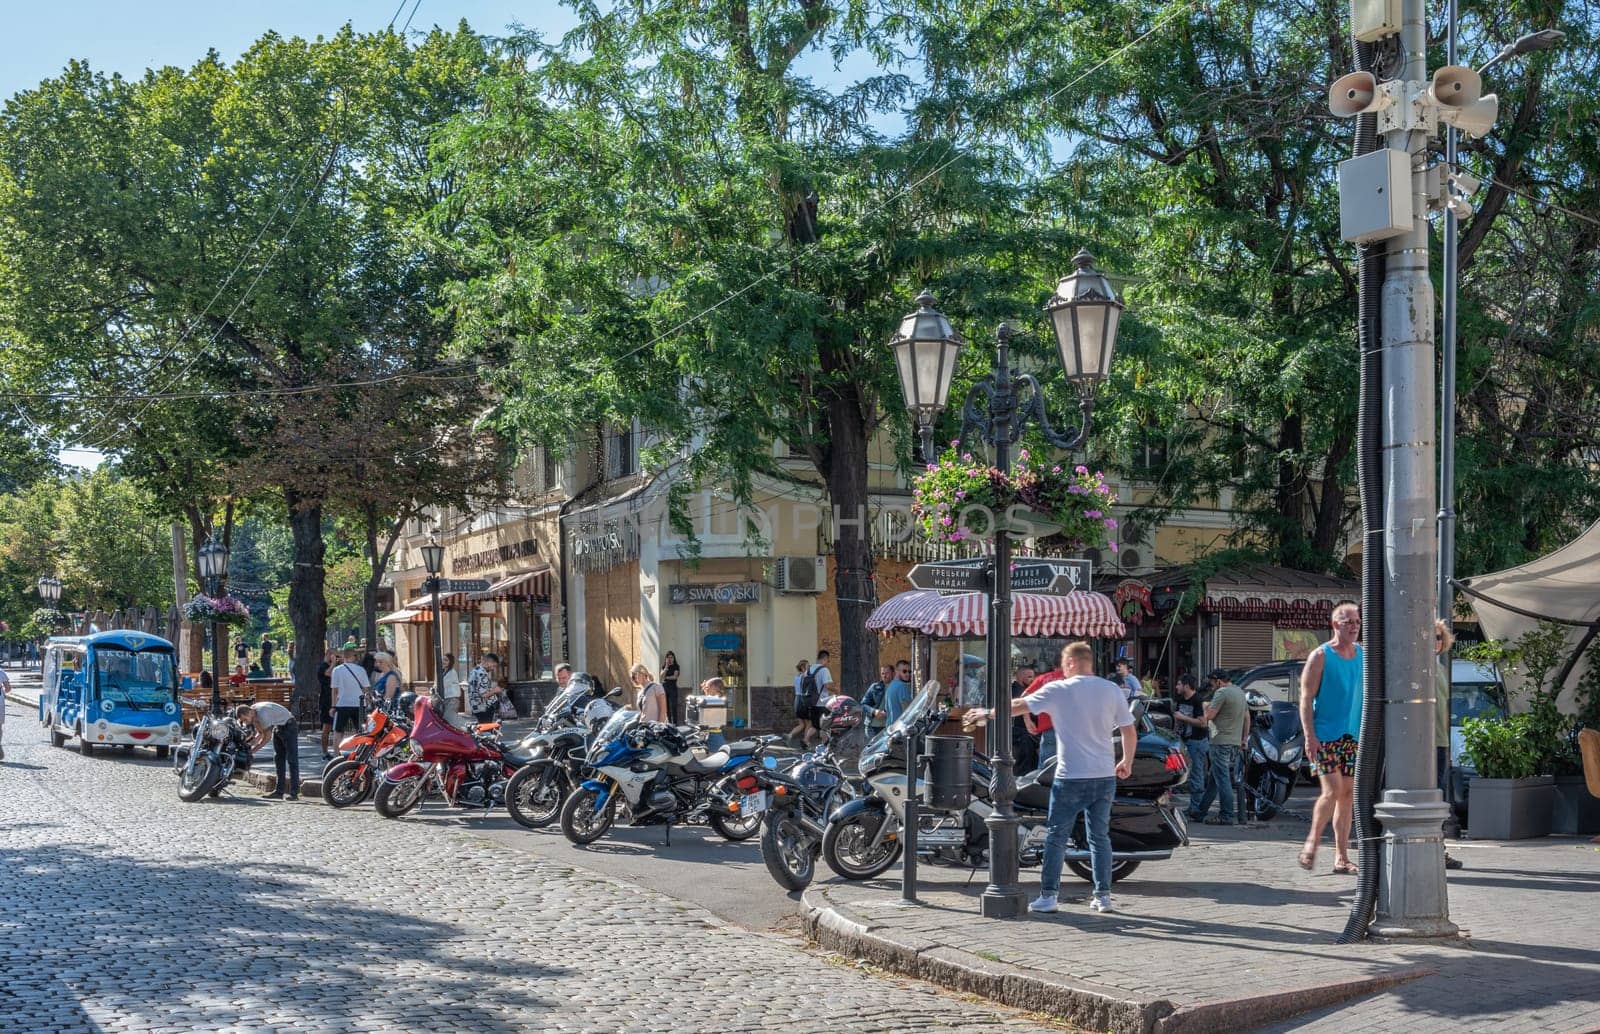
(447,601)
(406,616)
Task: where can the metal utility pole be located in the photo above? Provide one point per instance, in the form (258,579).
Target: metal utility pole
(1447,370)
(1412,899)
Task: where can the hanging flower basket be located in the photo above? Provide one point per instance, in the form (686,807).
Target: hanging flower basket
(959,499)
(227,610)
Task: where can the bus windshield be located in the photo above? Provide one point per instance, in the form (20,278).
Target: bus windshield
(138,680)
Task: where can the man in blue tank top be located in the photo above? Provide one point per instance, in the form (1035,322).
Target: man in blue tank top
(1330,712)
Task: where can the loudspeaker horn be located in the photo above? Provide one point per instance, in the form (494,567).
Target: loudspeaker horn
(1455,86)
(1355,94)
(1477,118)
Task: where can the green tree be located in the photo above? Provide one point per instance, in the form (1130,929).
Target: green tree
(243,230)
(668,220)
(115,547)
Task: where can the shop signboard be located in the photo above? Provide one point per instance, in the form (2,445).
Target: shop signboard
(716,593)
(722,642)
(948,578)
(463,585)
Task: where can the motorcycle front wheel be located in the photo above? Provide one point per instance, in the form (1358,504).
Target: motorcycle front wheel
(196,780)
(396,799)
(535,794)
(845,845)
(790,854)
(736,827)
(1268,792)
(346,784)
(581,822)
(1120,869)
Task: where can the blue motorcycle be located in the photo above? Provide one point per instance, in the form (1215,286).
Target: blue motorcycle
(662,775)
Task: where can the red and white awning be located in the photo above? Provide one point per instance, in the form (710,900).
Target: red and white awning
(447,601)
(1033,615)
(521,587)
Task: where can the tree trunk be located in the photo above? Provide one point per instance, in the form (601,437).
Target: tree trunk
(846,475)
(369,594)
(308,607)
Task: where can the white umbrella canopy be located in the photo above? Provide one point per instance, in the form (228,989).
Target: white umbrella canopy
(1563,586)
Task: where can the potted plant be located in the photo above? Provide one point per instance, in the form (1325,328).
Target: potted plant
(1511,799)
(227,610)
(1577,811)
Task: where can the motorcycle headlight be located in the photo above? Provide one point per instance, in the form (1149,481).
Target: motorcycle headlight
(1290,755)
(1269,748)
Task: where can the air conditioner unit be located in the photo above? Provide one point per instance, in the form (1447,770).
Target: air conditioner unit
(1129,558)
(800,574)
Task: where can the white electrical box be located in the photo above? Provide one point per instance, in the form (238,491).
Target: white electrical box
(1375,196)
(1371,20)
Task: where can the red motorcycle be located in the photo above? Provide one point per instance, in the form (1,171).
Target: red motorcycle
(464,768)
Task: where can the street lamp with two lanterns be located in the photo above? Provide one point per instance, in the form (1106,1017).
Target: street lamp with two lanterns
(1085,314)
(213,563)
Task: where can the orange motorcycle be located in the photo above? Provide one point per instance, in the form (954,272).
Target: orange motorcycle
(349,778)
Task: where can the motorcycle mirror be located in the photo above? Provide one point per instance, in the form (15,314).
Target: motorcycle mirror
(616,691)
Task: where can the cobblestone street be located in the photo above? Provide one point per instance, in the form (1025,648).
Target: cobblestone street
(126,910)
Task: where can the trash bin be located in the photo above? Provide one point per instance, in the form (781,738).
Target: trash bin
(948,785)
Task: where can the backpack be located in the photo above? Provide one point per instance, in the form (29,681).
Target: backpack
(808,689)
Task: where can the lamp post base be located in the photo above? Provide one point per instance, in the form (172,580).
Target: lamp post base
(1003,902)
(1413,903)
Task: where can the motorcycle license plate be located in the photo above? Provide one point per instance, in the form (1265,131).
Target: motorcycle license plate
(753,803)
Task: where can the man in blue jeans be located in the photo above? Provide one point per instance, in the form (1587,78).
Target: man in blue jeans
(1084,710)
(1189,714)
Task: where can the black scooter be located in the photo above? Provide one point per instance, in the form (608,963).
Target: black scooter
(1272,760)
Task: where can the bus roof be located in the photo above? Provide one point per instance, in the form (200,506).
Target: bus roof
(115,637)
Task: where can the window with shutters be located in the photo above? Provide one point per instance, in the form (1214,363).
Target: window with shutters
(622,458)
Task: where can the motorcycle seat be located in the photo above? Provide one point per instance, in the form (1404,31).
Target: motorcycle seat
(744,746)
(709,763)
(1033,789)
(517,757)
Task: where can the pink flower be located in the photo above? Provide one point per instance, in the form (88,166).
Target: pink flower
(1081,469)
(1096,514)
(1111,522)
(946,521)
(1023,454)
(1055,470)
(967,456)
(1113,547)
(933,466)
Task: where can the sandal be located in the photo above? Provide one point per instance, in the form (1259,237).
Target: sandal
(1308,859)
(1344,868)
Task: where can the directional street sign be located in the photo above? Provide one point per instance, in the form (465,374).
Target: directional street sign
(947,578)
(1056,577)
(463,584)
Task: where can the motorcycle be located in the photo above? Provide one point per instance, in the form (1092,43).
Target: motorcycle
(795,803)
(862,838)
(219,751)
(661,774)
(556,749)
(466,769)
(349,777)
(1272,759)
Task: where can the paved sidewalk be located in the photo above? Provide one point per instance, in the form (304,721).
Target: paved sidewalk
(1231,935)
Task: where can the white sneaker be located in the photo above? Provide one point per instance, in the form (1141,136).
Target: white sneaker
(1043,903)
(1101,903)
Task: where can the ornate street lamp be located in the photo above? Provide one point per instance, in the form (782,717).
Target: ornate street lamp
(213,562)
(433,560)
(50,590)
(1085,314)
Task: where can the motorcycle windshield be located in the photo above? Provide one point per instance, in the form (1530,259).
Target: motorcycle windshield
(560,708)
(920,705)
(612,731)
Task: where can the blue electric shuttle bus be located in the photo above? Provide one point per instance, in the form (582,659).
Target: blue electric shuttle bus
(111,688)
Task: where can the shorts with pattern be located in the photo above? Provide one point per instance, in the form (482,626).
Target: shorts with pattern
(1338,756)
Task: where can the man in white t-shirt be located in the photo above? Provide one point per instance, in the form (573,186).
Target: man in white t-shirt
(1085,710)
(350,681)
(272,721)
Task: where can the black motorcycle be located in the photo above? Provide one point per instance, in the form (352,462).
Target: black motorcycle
(862,838)
(219,753)
(556,750)
(1273,757)
(795,802)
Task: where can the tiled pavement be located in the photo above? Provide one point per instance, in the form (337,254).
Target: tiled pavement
(1233,918)
(124,910)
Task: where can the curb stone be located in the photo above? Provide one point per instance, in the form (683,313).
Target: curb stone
(835,927)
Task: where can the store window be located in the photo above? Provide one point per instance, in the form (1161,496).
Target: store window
(533,645)
(722,653)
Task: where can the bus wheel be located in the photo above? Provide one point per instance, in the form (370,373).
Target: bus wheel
(57,737)
(162,752)
(127,748)
(84,746)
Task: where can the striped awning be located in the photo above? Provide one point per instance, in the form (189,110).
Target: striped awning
(1033,615)
(521,587)
(447,601)
(406,616)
